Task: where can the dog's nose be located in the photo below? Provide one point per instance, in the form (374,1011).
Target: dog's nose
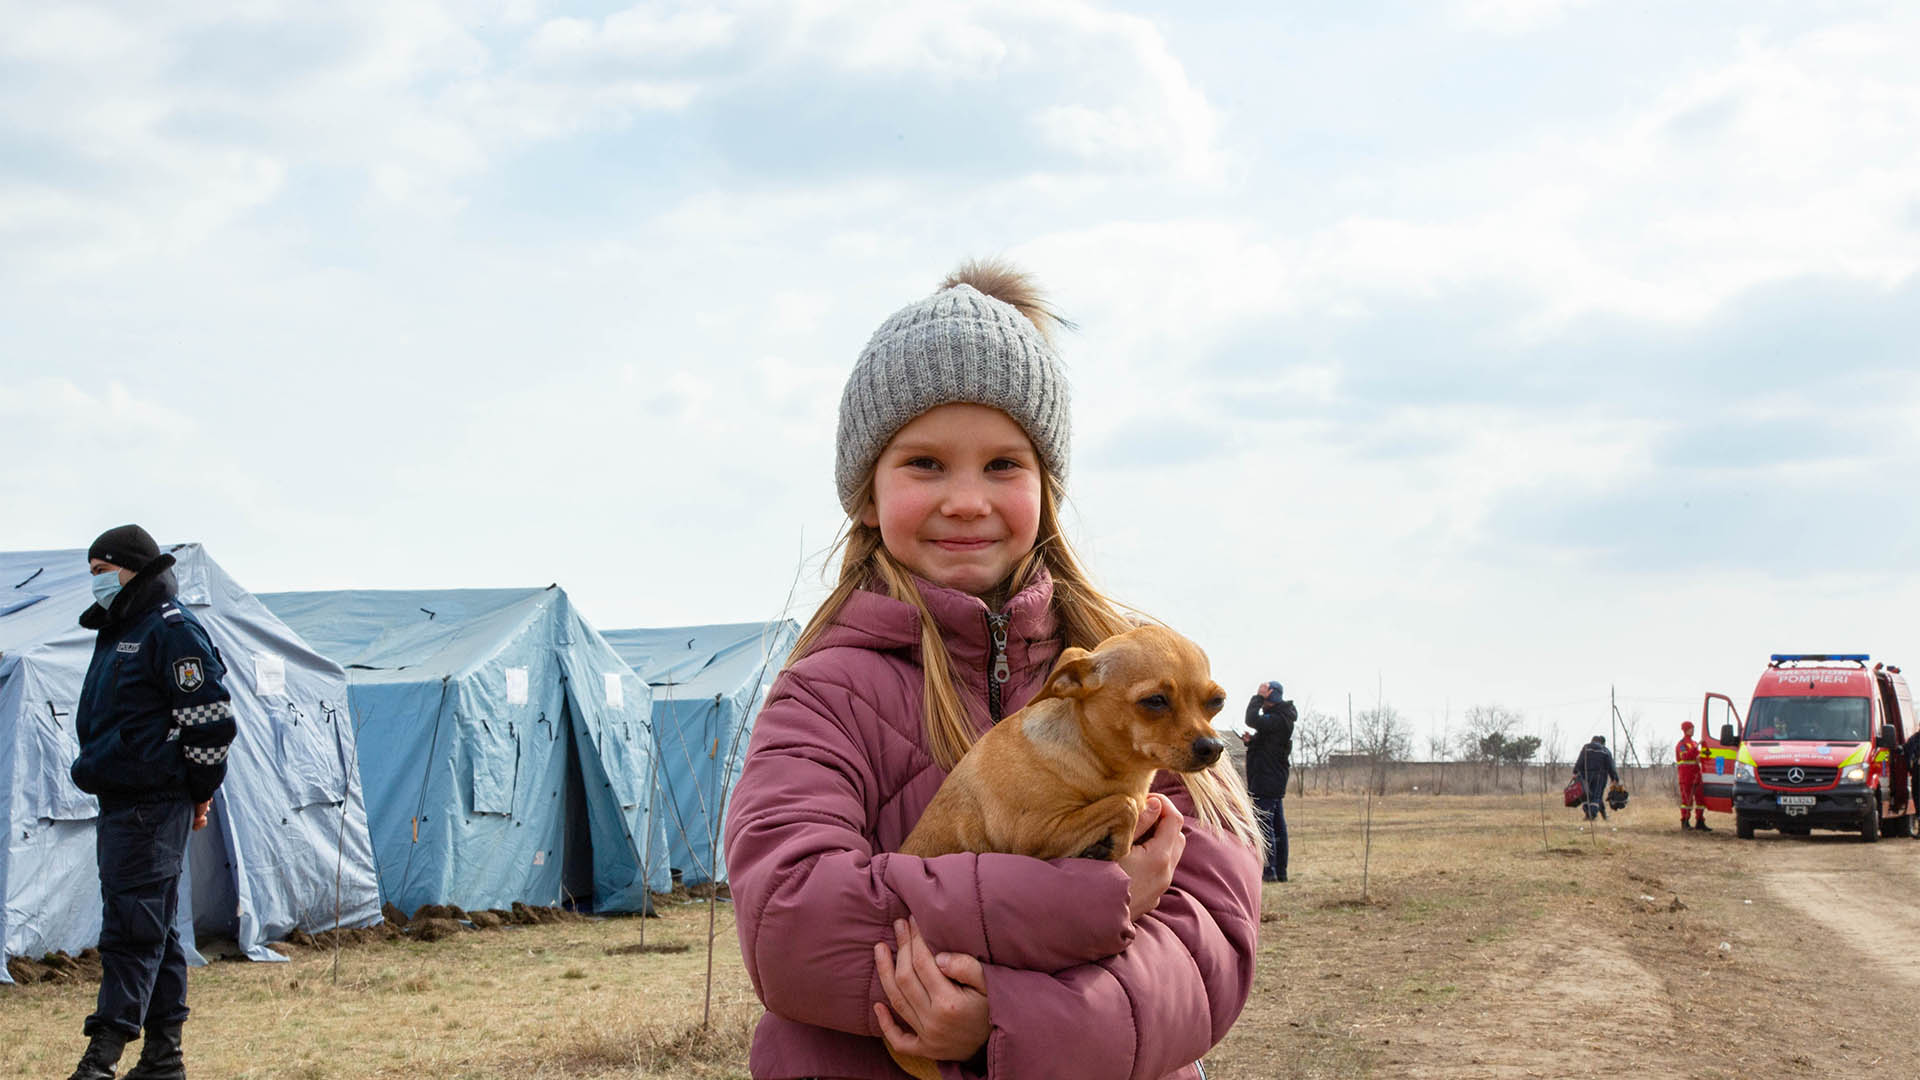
(1207,749)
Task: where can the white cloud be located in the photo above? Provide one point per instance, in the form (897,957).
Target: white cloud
(588,285)
(1786,160)
(178,123)
(49,411)
(1513,16)
(635,34)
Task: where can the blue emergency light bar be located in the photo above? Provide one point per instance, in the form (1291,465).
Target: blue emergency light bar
(1780,658)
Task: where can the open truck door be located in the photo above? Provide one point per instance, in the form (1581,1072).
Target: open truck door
(1720,733)
(1899,816)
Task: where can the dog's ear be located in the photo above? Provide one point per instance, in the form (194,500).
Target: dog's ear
(1074,675)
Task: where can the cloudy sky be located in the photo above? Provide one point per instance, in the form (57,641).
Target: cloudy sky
(1440,353)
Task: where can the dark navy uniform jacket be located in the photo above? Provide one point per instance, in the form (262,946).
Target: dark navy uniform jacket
(1270,754)
(154,721)
(1594,766)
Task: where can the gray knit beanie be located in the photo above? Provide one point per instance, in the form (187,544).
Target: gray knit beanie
(958,345)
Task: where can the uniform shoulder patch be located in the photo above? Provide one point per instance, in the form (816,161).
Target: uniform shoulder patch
(189,674)
(172,614)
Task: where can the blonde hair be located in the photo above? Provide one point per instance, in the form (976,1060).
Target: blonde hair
(1086,616)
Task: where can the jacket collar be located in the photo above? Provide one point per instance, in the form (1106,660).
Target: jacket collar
(873,620)
(151,585)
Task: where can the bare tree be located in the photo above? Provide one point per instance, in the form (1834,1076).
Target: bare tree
(1439,742)
(1552,745)
(1316,735)
(1655,747)
(1489,729)
(1381,734)
(1550,748)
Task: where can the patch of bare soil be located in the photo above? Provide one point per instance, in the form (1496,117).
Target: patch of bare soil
(1548,1006)
(56,967)
(645,948)
(1870,912)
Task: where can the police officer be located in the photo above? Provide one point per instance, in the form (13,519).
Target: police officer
(154,726)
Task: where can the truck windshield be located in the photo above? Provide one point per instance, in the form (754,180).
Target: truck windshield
(1830,719)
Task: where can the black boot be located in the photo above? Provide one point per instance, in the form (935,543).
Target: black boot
(160,1056)
(103,1053)
(1701,825)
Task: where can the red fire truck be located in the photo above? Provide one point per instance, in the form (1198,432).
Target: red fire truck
(1819,749)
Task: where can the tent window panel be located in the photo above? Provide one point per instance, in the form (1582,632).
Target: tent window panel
(49,791)
(625,765)
(496,764)
(309,753)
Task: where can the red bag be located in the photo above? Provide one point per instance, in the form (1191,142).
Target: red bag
(1576,794)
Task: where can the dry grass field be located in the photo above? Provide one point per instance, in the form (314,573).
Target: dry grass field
(1480,944)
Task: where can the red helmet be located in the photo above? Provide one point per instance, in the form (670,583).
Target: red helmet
(1686,725)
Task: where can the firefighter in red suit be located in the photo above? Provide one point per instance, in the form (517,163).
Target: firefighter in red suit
(1686,760)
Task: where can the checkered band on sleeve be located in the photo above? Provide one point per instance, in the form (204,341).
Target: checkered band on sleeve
(195,715)
(205,755)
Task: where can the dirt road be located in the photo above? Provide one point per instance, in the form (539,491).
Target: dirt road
(1491,948)
(1865,904)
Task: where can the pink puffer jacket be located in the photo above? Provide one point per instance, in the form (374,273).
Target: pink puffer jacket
(836,776)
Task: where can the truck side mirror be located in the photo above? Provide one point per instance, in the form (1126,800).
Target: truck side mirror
(1727,737)
(1889,738)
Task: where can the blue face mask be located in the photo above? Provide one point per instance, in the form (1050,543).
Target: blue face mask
(106,586)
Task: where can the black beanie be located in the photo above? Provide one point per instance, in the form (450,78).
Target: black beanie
(126,546)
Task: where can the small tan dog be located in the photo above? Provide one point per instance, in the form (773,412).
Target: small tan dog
(1069,774)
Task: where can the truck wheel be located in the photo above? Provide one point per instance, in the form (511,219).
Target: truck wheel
(1742,825)
(1870,825)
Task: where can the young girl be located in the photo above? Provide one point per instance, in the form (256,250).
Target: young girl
(957,591)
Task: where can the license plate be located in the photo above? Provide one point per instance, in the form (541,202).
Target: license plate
(1796,800)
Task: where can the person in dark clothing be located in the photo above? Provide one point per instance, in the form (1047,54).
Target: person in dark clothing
(1595,768)
(1269,764)
(154,724)
(1912,752)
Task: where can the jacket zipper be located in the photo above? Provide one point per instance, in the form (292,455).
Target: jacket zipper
(997,631)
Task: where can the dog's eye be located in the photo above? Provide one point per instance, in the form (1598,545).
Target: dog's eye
(1215,704)
(1156,702)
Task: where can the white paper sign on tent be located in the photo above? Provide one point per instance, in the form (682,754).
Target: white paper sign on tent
(616,695)
(516,686)
(269,674)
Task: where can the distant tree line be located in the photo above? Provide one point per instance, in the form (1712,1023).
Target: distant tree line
(1376,738)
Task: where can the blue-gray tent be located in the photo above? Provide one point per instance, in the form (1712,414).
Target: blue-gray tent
(504,747)
(286,847)
(708,683)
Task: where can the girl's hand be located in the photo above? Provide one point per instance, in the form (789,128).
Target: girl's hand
(1149,863)
(941,999)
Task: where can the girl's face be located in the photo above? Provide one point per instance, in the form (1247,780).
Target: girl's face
(956,497)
